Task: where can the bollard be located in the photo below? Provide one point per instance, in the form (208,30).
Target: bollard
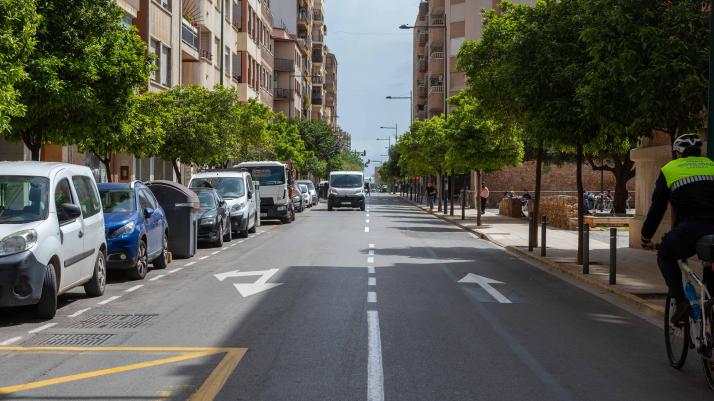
(544,221)
(586,249)
(613,256)
(463,204)
(530,233)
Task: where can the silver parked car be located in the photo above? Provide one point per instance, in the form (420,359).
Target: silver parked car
(313,192)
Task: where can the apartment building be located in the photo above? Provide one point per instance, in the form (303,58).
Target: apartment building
(319,56)
(435,74)
(292,76)
(330,85)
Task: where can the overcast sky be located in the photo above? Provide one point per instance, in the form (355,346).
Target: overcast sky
(374,61)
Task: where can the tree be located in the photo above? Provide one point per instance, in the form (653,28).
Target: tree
(319,137)
(286,143)
(18,21)
(476,142)
(252,131)
(350,161)
(77,45)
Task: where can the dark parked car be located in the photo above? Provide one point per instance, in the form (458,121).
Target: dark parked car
(298,200)
(214,225)
(135,227)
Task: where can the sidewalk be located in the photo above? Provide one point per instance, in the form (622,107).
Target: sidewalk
(638,279)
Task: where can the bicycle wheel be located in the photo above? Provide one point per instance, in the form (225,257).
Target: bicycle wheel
(707,361)
(676,337)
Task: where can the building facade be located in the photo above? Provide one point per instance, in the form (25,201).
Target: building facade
(330,85)
(292,79)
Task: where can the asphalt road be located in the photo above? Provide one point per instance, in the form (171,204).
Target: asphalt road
(339,306)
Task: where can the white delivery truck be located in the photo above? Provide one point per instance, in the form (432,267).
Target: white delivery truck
(346,190)
(276,188)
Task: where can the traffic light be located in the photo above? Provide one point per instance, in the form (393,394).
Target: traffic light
(364,153)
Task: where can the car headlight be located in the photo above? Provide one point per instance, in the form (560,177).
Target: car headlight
(358,192)
(125,229)
(18,242)
(238,207)
(333,191)
(283,208)
(208,220)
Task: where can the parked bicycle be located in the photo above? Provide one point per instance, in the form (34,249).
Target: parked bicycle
(698,332)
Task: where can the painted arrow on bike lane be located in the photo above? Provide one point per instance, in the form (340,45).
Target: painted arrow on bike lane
(257,287)
(485,283)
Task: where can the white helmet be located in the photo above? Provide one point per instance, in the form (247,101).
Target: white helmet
(685,142)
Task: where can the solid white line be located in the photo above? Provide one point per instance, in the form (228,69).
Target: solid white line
(372,297)
(190,264)
(370,259)
(157,277)
(375,372)
(232,245)
(106,301)
(134,288)
(370,270)
(371,245)
(371,252)
(215,253)
(366,229)
(45,327)
(79,312)
(204,258)
(371,281)
(10,341)
(240,242)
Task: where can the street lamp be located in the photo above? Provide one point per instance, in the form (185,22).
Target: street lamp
(446,60)
(396,131)
(411,103)
(389,139)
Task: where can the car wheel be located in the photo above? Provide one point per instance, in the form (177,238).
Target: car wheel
(142,263)
(162,261)
(219,236)
(47,307)
(253,229)
(228,236)
(95,287)
(329,206)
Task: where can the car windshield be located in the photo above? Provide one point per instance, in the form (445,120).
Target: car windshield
(309,185)
(228,187)
(23,199)
(208,201)
(118,200)
(268,175)
(346,181)
(303,188)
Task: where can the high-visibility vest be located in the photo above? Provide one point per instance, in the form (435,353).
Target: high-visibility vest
(680,172)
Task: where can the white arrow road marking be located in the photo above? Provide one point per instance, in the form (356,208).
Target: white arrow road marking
(10,341)
(485,283)
(259,286)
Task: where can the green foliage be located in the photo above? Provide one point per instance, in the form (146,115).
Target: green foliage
(286,143)
(320,139)
(423,148)
(350,161)
(390,168)
(18,21)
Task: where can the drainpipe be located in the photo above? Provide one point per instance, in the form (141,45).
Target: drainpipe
(223,45)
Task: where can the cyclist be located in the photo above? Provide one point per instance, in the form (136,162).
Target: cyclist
(687,182)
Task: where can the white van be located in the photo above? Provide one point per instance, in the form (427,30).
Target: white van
(346,190)
(51,234)
(236,188)
(274,194)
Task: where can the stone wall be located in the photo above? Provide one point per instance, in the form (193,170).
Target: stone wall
(557,180)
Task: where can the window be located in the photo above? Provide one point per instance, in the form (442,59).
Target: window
(63,194)
(156,48)
(227,61)
(144,201)
(88,199)
(166,4)
(237,66)
(165,65)
(227,8)
(217,52)
(150,197)
(23,199)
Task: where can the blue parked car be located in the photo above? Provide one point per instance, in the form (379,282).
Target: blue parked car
(136,228)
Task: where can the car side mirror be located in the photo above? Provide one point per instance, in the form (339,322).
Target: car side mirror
(250,195)
(71,210)
(148,212)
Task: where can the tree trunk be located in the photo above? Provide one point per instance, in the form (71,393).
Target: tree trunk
(581,208)
(107,161)
(452,181)
(177,170)
(536,197)
(35,152)
(624,172)
(477,195)
(439,190)
(446,194)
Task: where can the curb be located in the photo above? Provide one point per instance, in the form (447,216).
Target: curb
(632,300)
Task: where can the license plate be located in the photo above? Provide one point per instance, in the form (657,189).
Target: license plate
(264,215)
(346,203)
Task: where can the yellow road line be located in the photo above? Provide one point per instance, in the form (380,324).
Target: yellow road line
(215,382)
(109,349)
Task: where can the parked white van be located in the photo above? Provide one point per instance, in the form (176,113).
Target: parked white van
(236,188)
(51,234)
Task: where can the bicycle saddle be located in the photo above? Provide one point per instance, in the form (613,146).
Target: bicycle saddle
(705,248)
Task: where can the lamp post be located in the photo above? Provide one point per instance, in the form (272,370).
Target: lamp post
(446,59)
(396,131)
(411,104)
(389,139)
(710,125)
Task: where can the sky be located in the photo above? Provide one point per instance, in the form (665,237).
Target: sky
(374,60)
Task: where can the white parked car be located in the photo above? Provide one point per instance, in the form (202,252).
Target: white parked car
(236,188)
(51,234)
(313,192)
(306,197)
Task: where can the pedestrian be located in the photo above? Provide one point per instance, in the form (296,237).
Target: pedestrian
(484,194)
(431,196)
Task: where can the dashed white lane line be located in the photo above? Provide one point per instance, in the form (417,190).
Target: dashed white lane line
(134,288)
(371,252)
(371,245)
(11,341)
(240,242)
(215,253)
(371,281)
(157,277)
(204,258)
(41,328)
(176,270)
(106,301)
(79,312)
(367,214)
(190,264)
(232,245)
(370,259)
(375,372)
(367,221)
(370,270)
(372,297)
(366,229)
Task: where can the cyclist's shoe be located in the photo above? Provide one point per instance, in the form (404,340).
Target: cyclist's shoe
(681,313)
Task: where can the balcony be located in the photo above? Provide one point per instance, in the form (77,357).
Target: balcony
(282,94)
(422,38)
(317,79)
(317,15)
(436,20)
(317,37)
(304,17)
(317,100)
(437,53)
(436,89)
(266,11)
(189,34)
(317,57)
(304,40)
(421,91)
(284,64)
(206,54)
(421,64)
(237,78)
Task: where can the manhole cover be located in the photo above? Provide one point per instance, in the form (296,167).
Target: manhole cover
(73,339)
(113,321)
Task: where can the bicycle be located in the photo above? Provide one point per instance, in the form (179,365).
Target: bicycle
(698,331)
